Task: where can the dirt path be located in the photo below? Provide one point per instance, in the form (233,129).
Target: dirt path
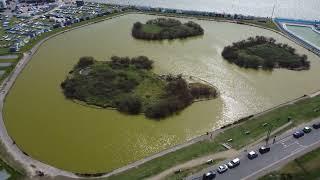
(195,162)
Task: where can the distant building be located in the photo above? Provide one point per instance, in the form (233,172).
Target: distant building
(80,3)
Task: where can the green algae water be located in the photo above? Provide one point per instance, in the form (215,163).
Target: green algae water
(73,137)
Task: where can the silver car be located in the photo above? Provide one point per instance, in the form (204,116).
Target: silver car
(223,168)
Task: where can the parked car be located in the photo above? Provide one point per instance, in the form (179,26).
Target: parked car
(209,175)
(223,168)
(264,149)
(307,129)
(234,163)
(316,125)
(252,155)
(298,134)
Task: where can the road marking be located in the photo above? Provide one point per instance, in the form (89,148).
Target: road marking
(284,139)
(286,157)
(288,145)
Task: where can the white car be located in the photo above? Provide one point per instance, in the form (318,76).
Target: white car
(234,163)
(223,168)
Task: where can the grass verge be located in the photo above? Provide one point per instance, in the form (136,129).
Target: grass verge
(187,172)
(304,167)
(162,163)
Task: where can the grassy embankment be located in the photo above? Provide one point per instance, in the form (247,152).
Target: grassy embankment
(267,24)
(187,172)
(304,167)
(300,112)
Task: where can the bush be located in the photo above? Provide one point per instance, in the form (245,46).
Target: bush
(140,62)
(85,61)
(129,104)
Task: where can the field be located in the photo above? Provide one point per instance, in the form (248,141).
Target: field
(305,167)
(151,28)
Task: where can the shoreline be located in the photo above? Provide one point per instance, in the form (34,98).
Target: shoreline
(51,171)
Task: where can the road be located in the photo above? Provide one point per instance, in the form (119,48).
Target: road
(285,149)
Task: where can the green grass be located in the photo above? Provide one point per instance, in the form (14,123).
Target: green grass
(162,163)
(187,172)
(304,167)
(151,28)
(150,89)
(8,60)
(268,24)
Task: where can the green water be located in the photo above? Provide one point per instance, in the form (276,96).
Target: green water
(73,137)
(306,33)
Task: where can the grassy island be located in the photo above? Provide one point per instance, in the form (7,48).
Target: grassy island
(165,28)
(129,85)
(262,52)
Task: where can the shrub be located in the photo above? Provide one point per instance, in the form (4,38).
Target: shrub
(129,104)
(85,61)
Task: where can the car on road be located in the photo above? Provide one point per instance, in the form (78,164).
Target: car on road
(264,149)
(209,175)
(307,129)
(223,168)
(234,163)
(298,134)
(252,155)
(316,125)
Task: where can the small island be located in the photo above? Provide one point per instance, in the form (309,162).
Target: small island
(130,86)
(165,28)
(262,52)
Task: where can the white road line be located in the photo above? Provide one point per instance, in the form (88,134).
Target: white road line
(288,145)
(284,139)
(286,157)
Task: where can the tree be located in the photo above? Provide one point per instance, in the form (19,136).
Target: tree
(137,25)
(129,104)
(85,61)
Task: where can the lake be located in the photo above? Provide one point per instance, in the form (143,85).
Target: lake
(81,139)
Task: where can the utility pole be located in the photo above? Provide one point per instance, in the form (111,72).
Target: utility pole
(268,135)
(274,6)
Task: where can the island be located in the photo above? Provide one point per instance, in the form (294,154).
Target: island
(165,28)
(262,52)
(130,86)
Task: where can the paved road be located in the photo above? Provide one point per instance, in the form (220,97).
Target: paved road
(284,150)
